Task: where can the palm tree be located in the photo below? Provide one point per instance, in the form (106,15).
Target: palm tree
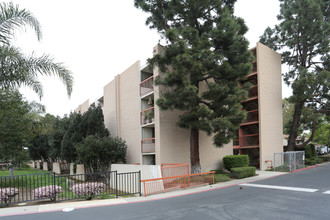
(16,69)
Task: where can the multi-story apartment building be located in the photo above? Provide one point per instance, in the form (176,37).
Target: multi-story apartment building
(153,137)
(261,134)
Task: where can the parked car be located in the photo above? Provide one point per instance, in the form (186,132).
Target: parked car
(323,150)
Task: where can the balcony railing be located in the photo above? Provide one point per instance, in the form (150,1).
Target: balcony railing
(147,86)
(148,145)
(147,116)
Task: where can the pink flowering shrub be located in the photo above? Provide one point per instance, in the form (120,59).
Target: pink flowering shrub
(7,193)
(47,192)
(88,189)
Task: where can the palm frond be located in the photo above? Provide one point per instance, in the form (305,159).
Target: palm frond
(34,84)
(12,17)
(37,107)
(45,65)
(17,70)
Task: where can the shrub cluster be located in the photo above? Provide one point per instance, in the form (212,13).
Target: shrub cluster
(47,192)
(221,178)
(310,151)
(233,161)
(88,189)
(325,158)
(7,193)
(311,157)
(242,172)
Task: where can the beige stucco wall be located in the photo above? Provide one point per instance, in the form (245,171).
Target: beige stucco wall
(110,106)
(122,110)
(82,108)
(210,155)
(173,141)
(173,144)
(270,103)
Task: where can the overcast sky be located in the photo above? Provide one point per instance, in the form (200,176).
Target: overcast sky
(99,39)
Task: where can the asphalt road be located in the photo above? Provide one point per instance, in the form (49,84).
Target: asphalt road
(305,197)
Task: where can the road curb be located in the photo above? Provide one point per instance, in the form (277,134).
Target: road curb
(306,168)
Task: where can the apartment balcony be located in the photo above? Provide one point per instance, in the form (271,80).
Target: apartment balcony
(249,141)
(147,86)
(147,116)
(252,116)
(253,91)
(236,143)
(254,67)
(250,104)
(148,145)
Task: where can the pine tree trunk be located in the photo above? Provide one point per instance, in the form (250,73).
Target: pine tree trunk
(294,126)
(194,151)
(304,144)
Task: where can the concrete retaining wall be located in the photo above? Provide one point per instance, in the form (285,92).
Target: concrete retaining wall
(56,168)
(147,171)
(45,166)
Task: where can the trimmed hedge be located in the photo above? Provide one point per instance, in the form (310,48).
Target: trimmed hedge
(233,161)
(217,171)
(221,178)
(242,172)
(319,160)
(311,161)
(325,158)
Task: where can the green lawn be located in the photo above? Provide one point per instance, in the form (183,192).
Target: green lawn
(23,171)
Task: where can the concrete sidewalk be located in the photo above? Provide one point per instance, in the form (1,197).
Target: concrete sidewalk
(69,206)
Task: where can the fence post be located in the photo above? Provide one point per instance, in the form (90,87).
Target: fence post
(54,186)
(295,161)
(303,159)
(290,161)
(188,176)
(116,184)
(274,161)
(145,191)
(140,182)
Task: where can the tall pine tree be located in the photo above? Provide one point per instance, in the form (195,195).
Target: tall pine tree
(303,39)
(205,57)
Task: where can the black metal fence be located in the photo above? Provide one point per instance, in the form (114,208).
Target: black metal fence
(49,186)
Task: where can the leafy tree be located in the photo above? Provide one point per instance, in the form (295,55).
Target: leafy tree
(72,136)
(16,69)
(92,123)
(97,153)
(60,127)
(48,133)
(81,126)
(322,133)
(302,37)
(205,57)
(14,124)
(39,147)
(306,121)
